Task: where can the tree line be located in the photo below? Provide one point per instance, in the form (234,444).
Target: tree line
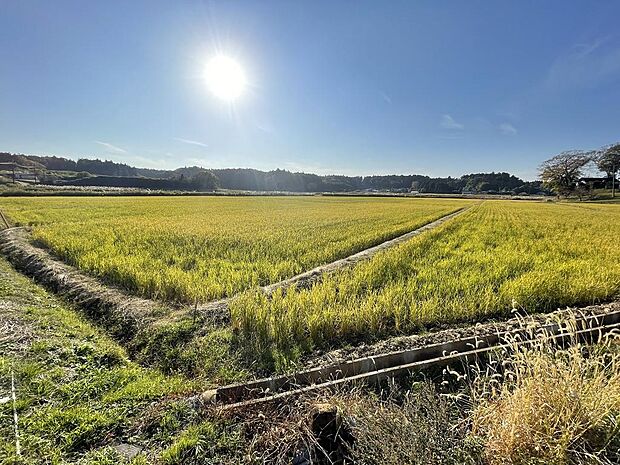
(95,172)
(564,173)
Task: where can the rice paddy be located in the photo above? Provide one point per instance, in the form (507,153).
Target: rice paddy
(192,249)
(495,257)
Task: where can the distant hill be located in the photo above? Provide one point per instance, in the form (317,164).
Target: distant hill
(21,160)
(95,172)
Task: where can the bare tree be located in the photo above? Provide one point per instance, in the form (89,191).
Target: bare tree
(608,161)
(561,173)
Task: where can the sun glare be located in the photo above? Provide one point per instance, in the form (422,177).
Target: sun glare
(225,77)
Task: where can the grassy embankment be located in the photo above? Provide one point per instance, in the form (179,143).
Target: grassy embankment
(79,395)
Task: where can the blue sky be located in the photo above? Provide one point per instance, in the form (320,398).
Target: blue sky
(351,87)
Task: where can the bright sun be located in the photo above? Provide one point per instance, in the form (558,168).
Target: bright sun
(225,77)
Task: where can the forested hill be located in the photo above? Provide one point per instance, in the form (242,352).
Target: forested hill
(95,172)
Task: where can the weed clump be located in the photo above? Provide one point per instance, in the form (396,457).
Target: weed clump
(552,407)
(419,428)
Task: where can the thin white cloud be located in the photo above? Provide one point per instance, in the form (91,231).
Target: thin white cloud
(507,129)
(190,142)
(386,97)
(447,122)
(265,127)
(111,148)
(585,65)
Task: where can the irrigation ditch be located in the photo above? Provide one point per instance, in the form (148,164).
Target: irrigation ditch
(313,400)
(586,325)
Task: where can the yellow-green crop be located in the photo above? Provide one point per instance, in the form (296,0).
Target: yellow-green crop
(202,248)
(497,256)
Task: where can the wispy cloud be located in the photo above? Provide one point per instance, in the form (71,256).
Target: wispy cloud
(190,142)
(447,122)
(265,127)
(110,147)
(386,98)
(585,65)
(507,129)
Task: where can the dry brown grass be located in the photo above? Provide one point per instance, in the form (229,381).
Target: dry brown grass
(536,403)
(416,427)
(552,406)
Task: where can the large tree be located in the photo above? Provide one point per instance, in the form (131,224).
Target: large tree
(608,161)
(561,173)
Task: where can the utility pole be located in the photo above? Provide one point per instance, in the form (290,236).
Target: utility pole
(613,180)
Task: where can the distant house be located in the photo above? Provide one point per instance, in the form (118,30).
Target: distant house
(596,183)
(16,171)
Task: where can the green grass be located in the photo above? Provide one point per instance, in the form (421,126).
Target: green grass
(202,248)
(197,350)
(78,393)
(495,257)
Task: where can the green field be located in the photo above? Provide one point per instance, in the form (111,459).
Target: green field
(203,248)
(495,257)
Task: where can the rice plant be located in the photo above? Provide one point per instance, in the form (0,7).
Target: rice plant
(202,248)
(497,256)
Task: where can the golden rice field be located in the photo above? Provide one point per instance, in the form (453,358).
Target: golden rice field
(202,248)
(497,256)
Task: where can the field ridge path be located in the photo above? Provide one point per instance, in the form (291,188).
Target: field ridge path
(308,277)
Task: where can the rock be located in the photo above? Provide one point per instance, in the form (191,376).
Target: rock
(129,451)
